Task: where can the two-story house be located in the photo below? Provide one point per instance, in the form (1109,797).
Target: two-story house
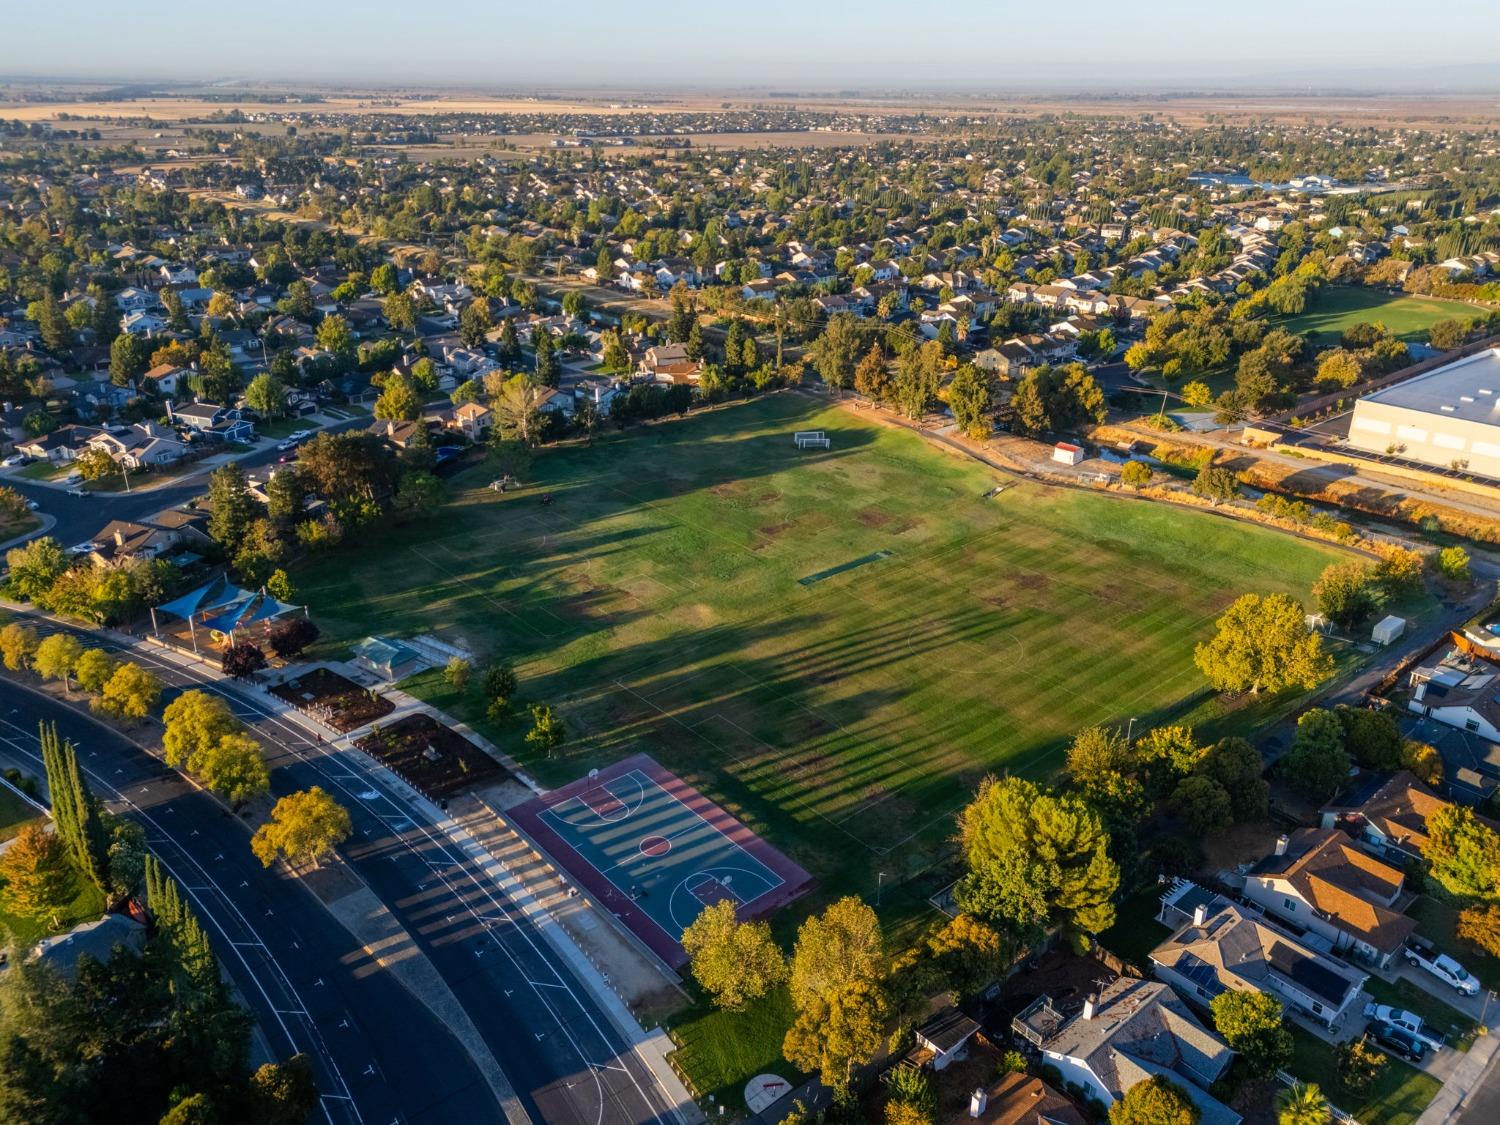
(1219,946)
(1388,815)
(1130,1031)
(220,423)
(1331,890)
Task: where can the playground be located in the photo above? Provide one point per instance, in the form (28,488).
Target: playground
(655,852)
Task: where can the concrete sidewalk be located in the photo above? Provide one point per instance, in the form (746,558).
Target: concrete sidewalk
(1465,1078)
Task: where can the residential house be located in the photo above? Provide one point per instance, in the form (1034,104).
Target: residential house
(1219,946)
(145,445)
(122,542)
(1459,691)
(400,433)
(1388,815)
(165,379)
(1019,1099)
(143,323)
(943,1038)
(1130,1031)
(1333,893)
(98,939)
(61,446)
(220,423)
(473,420)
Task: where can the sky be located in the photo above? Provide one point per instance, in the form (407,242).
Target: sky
(801,45)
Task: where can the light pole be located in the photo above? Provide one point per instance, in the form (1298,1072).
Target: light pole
(1489,994)
(879,887)
(1130,731)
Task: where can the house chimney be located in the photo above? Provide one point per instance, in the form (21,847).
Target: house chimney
(1282,843)
(978,1100)
(1091,1006)
(1200,914)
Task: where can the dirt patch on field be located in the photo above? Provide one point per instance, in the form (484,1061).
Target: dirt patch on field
(874,517)
(1033,580)
(772,530)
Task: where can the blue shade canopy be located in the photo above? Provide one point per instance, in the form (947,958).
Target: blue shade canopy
(211,595)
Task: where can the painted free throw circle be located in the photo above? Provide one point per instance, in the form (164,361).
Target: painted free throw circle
(655,846)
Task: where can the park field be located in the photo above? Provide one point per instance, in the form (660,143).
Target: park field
(665,602)
(1336,308)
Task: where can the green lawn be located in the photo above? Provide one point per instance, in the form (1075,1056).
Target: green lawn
(721,1051)
(1136,931)
(43,470)
(14,813)
(86,905)
(1397,1097)
(657,602)
(1335,308)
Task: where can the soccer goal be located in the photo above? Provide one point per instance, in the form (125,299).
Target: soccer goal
(812,439)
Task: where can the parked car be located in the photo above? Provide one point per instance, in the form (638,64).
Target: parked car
(1406,1021)
(299,435)
(1399,1042)
(84,548)
(290,443)
(1425,956)
(77,492)
(32,505)
(15,460)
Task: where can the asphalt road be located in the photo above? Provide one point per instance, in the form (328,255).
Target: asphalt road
(567,1062)
(380,1055)
(79,517)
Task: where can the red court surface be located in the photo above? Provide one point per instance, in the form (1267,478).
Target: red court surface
(654,851)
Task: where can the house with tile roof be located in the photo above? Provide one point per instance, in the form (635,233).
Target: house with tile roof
(1019,1099)
(1331,891)
(1130,1031)
(1219,946)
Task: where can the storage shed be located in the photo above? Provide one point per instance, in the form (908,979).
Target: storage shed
(1388,629)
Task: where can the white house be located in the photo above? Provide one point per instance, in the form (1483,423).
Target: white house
(1219,946)
(1130,1031)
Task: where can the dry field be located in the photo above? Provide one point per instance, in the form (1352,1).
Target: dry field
(1408,110)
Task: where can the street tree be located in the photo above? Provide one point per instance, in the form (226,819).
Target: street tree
(56,655)
(38,880)
(1347,593)
(94,464)
(266,395)
(836,352)
(35,567)
(1263,643)
(1035,859)
(969,399)
(18,645)
(547,733)
(734,961)
(838,948)
(398,401)
(304,827)
(233,767)
(94,669)
(130,693)
(835,1033)
(193,721)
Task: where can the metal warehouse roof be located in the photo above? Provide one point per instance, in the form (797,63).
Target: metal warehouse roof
(1468,389)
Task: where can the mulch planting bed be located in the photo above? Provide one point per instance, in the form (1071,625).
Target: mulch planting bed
(424,753)
(334,699)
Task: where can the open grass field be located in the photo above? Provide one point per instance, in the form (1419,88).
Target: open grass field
(1336,308)
(658,603)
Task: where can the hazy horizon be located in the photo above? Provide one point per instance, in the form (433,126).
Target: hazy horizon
(1276,45)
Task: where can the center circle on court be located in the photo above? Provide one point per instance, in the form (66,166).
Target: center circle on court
(655,845)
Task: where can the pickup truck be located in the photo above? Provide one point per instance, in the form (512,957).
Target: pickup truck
(1409,1022)
(1422,954)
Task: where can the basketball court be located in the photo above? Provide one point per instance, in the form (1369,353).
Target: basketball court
(654,851)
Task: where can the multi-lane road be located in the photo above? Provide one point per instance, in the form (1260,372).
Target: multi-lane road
(561,1053)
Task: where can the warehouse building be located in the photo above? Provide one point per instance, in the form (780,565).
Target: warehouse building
(1448,414)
